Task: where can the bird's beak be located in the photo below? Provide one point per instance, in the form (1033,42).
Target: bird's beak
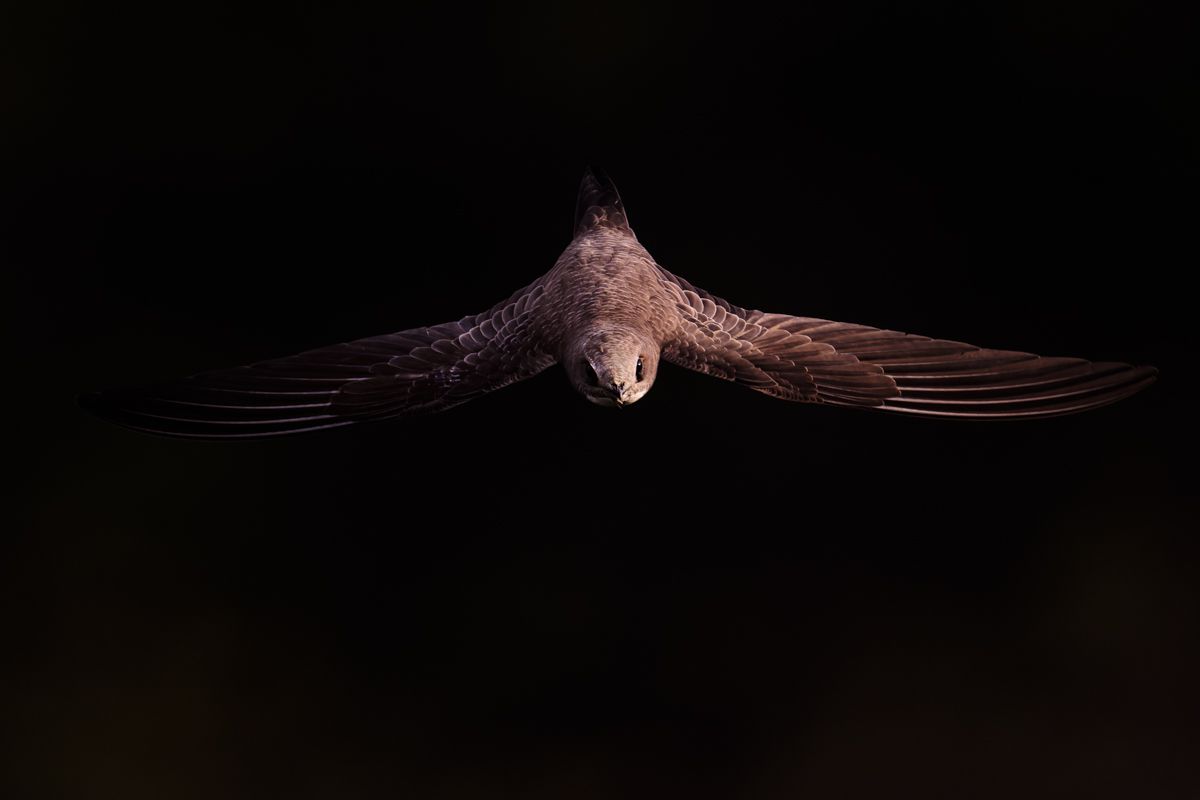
(617,390)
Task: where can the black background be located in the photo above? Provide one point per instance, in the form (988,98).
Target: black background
(712,594)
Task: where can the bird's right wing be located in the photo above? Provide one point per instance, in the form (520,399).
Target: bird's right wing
(410,372)
(820,361)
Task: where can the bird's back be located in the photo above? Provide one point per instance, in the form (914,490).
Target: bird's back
(606,279)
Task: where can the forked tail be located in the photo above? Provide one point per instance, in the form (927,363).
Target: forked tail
(599,206)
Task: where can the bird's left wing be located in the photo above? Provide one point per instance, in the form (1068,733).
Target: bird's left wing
(821,361)
(410,372)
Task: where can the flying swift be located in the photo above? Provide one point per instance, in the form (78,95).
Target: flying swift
(610,314)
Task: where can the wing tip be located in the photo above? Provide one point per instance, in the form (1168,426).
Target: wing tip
(137,413)
(1133,381)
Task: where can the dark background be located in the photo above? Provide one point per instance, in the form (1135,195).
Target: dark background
(712,594)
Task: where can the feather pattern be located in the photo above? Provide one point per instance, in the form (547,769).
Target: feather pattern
(409,372)
(821,361)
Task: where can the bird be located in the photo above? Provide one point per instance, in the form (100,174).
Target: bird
(610,315)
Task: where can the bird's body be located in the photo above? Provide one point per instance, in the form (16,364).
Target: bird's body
(608,312)
(603,300)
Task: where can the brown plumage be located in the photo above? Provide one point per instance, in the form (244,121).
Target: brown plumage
(608,312)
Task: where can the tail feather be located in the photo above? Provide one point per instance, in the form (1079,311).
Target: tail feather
(599,205)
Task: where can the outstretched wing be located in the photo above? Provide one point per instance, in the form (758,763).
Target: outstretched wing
(410,372)
(816,360)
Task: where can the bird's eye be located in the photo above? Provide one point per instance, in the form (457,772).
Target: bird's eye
(589,374)
(640,370)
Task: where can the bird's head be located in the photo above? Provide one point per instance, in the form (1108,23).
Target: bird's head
(613,368)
